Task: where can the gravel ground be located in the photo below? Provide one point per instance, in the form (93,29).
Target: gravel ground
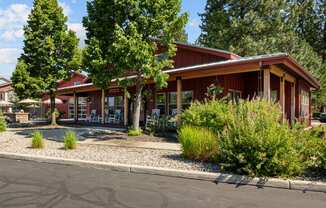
(15,142)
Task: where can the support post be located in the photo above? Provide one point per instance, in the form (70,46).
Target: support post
(282,93)
(103,106)
(179,100)
(267,84)
(125,108)
(75,107)
(293,102)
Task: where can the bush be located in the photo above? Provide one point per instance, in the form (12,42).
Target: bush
(198,143)
(256,143)
(37,140)
(3,123)
(70,140)
(134,132)
(252,140)
(315,154)
(212,115)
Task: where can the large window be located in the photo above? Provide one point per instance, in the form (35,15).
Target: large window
(114,109)
(304,103)
(161,102)
(82,108)
(187,97)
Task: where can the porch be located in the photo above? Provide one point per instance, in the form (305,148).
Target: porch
(113,107)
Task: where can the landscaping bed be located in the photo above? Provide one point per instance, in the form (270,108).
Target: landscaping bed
(13,141)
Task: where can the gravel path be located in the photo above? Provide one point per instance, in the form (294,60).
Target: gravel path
(14,142)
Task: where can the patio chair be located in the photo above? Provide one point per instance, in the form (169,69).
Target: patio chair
(117,116)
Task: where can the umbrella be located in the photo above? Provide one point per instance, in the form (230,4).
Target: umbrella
(57,101)
(28,101)
(5,103)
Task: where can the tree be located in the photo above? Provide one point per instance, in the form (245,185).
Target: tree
(258,27)
(309,21)
(50,53)
(98,58)
(182,36)
(145,26)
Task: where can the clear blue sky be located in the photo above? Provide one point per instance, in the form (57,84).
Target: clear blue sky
(13,15)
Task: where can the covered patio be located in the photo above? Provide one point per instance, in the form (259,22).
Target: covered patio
(277,78)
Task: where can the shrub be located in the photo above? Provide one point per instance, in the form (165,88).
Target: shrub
(198,143)
(70,140)
(315,154)
(37,140)
(134,132)
(3,124)
(256,143)
(212,115)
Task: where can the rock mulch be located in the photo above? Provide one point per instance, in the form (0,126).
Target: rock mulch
(14,142)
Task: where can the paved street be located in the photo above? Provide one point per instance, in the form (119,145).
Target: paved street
(31,184)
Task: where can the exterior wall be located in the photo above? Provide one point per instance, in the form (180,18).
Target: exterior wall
(187,57)
(64,108)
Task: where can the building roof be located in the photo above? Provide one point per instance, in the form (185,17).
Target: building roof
(263,60)
(213,51)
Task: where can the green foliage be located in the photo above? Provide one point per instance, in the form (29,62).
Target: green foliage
(262,27)
(3,123)
(135,132)
(50,51)
(212,115)
(250,137)
(198,143)
(70,140)
(37,140)
(123,37)
(254,141)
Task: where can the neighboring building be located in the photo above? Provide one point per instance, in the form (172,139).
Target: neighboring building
(6,94)
(66,109)
(277,77)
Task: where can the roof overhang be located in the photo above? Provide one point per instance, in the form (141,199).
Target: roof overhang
(240,65)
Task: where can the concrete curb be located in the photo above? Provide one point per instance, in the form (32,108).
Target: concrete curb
(238,180)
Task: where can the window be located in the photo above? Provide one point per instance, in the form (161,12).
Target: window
(82,108)
(172,103)
(71,109)
(187,97)
(305,103)
(76,83)
(114,109)
(161,102)
(2,97)
(234,96)
(274,96)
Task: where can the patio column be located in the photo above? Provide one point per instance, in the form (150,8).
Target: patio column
(125,108)
(293,101)
(282,94)
(267,84)
(103,106)
(75,107)
(179,100)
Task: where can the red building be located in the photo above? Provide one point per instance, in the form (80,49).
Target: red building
(66,108)
(277,77)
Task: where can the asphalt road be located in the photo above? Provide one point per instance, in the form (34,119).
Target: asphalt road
(30,184)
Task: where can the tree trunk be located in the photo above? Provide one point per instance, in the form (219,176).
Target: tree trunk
(53,116)
(137,106)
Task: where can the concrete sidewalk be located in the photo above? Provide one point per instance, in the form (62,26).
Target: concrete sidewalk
(135,144)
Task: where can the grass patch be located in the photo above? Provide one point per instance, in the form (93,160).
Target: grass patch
(135,132)
(37,140)
(70,140)
(198,143)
